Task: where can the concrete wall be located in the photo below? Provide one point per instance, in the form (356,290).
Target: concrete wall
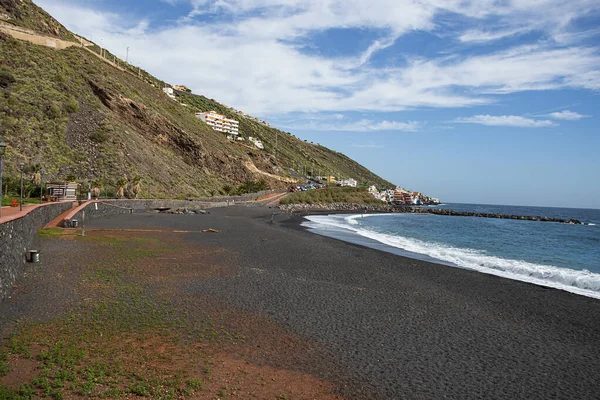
(17,236)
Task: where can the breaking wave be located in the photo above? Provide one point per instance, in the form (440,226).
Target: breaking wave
(581,282)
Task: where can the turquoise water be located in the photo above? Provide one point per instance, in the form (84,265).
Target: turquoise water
(546,253)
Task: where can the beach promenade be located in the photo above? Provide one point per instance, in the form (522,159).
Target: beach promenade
(336,319)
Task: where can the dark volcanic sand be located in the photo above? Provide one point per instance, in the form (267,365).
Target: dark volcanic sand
(396,328)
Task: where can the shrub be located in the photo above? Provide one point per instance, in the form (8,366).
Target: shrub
(99,136)
(6,78)
(72,106)
(53,111)
(251,187)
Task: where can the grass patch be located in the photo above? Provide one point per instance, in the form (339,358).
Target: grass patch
(7,200)
(50,232)
(123,341)
(332,195)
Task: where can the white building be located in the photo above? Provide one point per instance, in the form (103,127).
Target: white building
(348,182)
(169,92)
(256,142)
(220,123)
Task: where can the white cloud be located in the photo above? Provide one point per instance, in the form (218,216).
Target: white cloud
(363,125)
(506,120)
(487,36)
(567,115)
(253,65)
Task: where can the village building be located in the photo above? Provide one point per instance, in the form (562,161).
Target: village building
(348,182)
(402,196)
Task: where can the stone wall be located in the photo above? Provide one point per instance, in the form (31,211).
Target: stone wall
(149,205)
(244,197)
(96,210)
(17,236)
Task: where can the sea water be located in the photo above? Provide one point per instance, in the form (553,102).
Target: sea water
(551,254)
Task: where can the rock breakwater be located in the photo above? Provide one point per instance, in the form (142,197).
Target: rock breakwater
(384,208)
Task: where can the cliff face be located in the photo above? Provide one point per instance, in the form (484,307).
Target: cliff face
(77,117)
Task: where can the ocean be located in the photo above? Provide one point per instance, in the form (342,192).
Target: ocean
(561,256)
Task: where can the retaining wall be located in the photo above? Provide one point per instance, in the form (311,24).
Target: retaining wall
(96,209)
(244,197)
(149,205)
(17,236)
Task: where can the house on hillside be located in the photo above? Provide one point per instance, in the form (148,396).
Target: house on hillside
(182,88)
(169,92)
(257,142)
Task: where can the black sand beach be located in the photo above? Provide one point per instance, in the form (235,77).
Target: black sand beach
(381,326)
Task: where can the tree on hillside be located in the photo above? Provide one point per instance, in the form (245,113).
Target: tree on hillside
(121,184)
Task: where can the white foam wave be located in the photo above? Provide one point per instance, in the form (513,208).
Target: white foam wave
(352,219)
(590,224)
(580,282)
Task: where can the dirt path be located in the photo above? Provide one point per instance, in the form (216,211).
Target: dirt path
(274,201)
(30,36)
(33,37)
(252,168)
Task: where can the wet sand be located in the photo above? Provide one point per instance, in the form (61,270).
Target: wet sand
(381,326)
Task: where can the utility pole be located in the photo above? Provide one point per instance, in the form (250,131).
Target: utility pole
(127,58)
(276,136)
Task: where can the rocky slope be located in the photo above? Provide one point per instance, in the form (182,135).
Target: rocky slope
(73,116)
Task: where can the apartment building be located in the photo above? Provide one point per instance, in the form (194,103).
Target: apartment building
(219,122)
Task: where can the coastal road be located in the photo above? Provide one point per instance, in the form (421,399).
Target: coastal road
(381,326)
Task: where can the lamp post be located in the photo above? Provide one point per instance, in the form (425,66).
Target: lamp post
(2,150)
(21,165)
(41,187)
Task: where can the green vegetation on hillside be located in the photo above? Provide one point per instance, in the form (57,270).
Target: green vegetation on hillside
(332,195)
(77,118)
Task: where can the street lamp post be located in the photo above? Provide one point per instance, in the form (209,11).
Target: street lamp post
(41,188)
(21,165)
(2,150)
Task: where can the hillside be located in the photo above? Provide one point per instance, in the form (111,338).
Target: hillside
(72,116)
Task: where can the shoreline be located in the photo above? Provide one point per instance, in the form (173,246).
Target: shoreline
(356,239)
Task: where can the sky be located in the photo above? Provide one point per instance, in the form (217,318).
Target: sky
(480,101)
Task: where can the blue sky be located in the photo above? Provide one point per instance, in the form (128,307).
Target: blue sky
(488,101)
